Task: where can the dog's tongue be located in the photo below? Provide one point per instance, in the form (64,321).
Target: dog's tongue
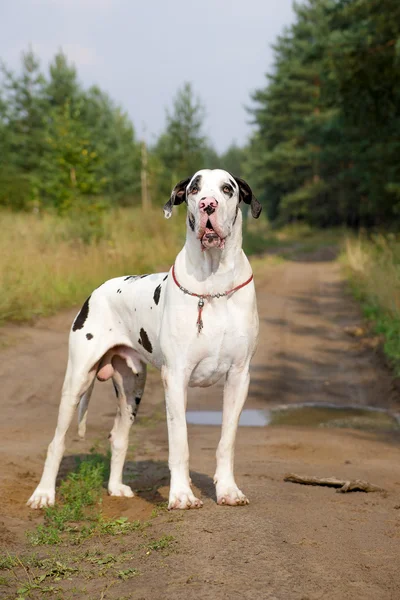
(211,239)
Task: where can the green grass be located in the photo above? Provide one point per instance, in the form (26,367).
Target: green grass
(372,266)
(163,543)
(78,516)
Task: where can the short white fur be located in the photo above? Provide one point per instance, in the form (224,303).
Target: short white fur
(111,341)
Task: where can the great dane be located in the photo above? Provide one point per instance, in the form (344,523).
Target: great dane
(197,323)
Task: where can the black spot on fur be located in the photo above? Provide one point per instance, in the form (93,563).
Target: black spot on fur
(195,183)
(119,292)
(130,277)
(157,293)
(83,315)
(146,275)
(233,183)
(191,221)
(144,341)
(209,210)
(89,336)
(137,400)
(165,277)
(116,390)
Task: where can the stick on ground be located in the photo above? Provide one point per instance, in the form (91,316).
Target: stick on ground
(355,485)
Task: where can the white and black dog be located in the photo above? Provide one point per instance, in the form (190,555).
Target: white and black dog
(197,323)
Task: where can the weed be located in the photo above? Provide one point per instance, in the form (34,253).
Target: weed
(119,526)
(161,544)
(8,562)
(159,509)
(127,574)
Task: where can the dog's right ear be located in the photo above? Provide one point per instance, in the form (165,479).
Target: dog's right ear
(178,195)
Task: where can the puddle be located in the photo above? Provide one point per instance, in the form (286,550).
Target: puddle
(248,418)
(307,415)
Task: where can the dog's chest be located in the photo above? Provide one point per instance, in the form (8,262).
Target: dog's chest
(227,338)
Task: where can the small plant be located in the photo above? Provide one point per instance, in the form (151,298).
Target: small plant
(162,544)
(127,574)
(8,562)
(159,509)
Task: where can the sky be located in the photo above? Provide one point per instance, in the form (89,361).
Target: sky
(142,51)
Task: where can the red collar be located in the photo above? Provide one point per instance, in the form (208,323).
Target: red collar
(201,297)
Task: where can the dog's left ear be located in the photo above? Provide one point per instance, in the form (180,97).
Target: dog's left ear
(248,197)
(178,195)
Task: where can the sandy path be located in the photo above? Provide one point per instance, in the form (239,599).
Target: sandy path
(292,542)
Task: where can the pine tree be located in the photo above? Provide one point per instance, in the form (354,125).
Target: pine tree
(182,148)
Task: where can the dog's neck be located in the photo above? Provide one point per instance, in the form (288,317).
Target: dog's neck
(218,269)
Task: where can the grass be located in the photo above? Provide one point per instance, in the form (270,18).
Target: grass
(45,265)
(78,515)
(48,263)
(77,544)
(373,268)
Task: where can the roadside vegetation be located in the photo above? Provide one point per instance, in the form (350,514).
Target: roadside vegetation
(373,266)
(67,550)
(48,262)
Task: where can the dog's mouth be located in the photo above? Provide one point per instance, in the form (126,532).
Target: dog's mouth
(210,238)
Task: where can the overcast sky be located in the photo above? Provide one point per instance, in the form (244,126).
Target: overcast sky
(141,51)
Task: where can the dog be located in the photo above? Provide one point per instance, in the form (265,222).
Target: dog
(196,323)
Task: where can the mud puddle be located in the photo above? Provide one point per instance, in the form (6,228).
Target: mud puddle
(367,418)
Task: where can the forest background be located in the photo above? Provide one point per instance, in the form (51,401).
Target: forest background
(80,192)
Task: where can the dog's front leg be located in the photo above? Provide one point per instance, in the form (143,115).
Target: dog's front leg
(175,386)
(235,394)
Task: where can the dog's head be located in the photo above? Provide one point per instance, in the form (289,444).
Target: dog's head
(213,198)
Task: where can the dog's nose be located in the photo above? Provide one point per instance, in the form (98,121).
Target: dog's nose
(208,205)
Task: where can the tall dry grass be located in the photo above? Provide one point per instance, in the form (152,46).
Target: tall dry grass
(45,265)
(373,265)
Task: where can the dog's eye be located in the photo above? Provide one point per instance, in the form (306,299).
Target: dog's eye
(226,189)
(194,190)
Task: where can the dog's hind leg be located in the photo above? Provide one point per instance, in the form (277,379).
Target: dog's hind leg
(129,389)
(83,410)
(77,382)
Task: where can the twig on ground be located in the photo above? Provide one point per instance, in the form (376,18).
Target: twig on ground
(355,485)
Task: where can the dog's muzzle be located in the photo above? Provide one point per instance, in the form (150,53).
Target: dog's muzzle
(209,233)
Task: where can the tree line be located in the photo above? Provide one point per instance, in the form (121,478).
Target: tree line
(326,147)
(65,148)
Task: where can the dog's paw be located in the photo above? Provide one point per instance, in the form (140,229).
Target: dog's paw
(183,500)
(41,498)
(121,490)
(231,496)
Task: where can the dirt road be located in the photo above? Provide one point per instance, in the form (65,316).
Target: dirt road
(292,542)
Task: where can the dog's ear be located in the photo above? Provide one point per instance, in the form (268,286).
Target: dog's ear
(178,195)
(248,197)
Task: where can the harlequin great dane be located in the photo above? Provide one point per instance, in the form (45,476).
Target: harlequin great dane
(197,323)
